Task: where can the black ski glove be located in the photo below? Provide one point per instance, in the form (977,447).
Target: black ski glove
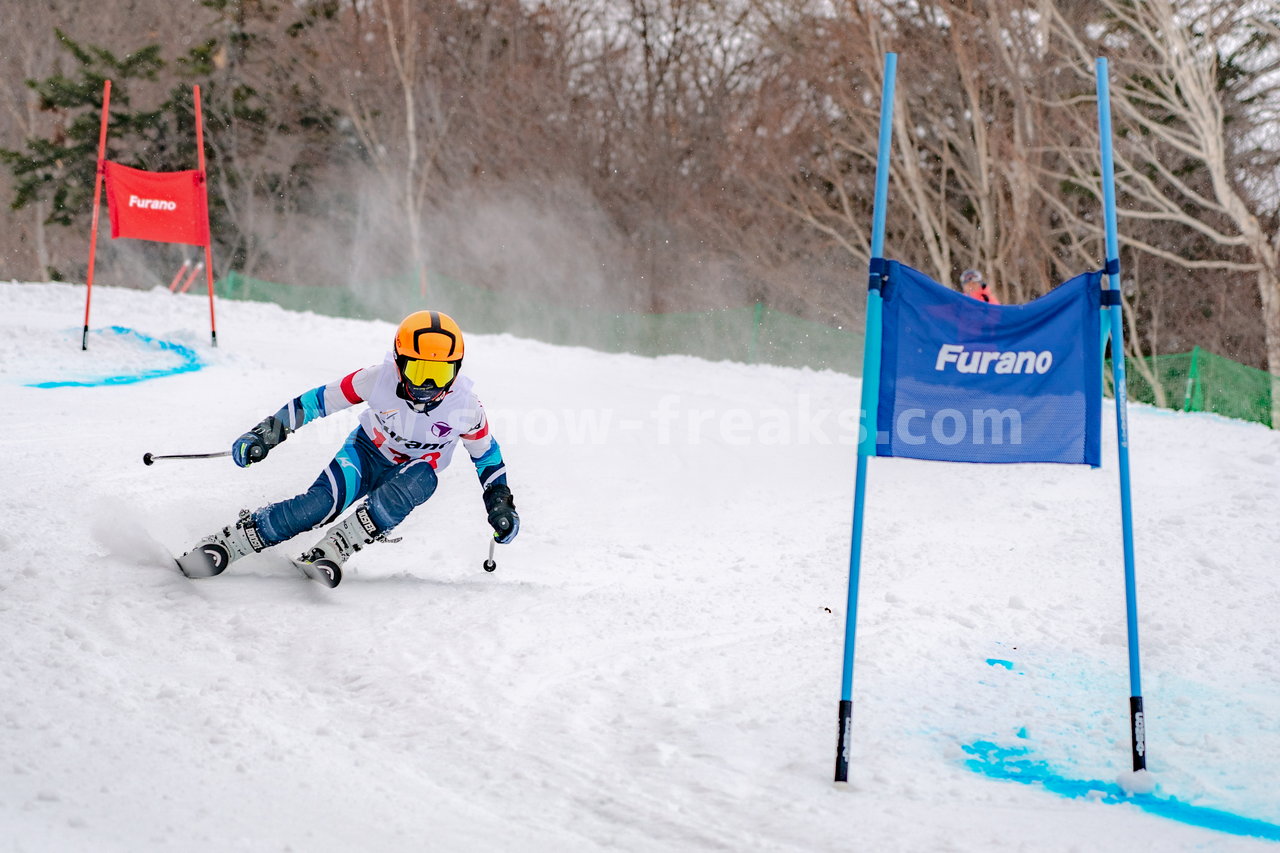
(255,444)
(502,513)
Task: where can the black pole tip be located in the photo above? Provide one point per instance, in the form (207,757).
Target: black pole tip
(490,565)
(1138,729)
(147,459)
(844,735)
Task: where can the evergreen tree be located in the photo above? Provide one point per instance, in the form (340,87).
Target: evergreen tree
(249,102)
(61,167)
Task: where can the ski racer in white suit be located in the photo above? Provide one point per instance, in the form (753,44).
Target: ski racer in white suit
(418,408)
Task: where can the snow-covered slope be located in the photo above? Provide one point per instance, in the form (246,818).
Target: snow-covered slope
(655,664)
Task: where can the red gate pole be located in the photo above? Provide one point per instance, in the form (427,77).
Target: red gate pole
(97,194)
(186,265)
(186,285)
(208,238)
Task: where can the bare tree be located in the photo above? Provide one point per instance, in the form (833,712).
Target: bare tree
(406,167)
(1193,88)
(431,96)
(966,136)
(32,52)
(19,116)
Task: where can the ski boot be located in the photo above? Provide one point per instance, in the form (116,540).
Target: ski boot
(214,553)
(324,562)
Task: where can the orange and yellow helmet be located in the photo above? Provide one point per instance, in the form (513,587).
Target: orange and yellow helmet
(428,350)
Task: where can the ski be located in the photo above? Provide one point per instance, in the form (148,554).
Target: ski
(323,571)
(211,559)
(205,561)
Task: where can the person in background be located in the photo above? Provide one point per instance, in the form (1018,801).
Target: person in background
(972,283)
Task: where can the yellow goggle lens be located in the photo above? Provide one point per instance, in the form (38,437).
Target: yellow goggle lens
(419,372)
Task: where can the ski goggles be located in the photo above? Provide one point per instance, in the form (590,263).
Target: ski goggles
(420,372)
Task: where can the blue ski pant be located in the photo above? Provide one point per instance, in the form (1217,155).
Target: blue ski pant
(358,469)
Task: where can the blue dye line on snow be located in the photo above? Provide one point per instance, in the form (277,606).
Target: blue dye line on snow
(189,361)
(1013,764)
(1007,664)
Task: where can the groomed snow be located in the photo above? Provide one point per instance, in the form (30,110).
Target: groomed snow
(655,665)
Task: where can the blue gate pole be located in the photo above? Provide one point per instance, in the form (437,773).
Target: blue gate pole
(1137,723)
(867,425)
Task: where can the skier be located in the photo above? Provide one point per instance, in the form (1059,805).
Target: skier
(418,408)
(972,283)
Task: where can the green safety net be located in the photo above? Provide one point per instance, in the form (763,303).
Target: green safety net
(1199,381)
(752,334)
(1196,381)
(331,301)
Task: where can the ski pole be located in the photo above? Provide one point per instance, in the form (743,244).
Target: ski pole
(489,564)
(149,458)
